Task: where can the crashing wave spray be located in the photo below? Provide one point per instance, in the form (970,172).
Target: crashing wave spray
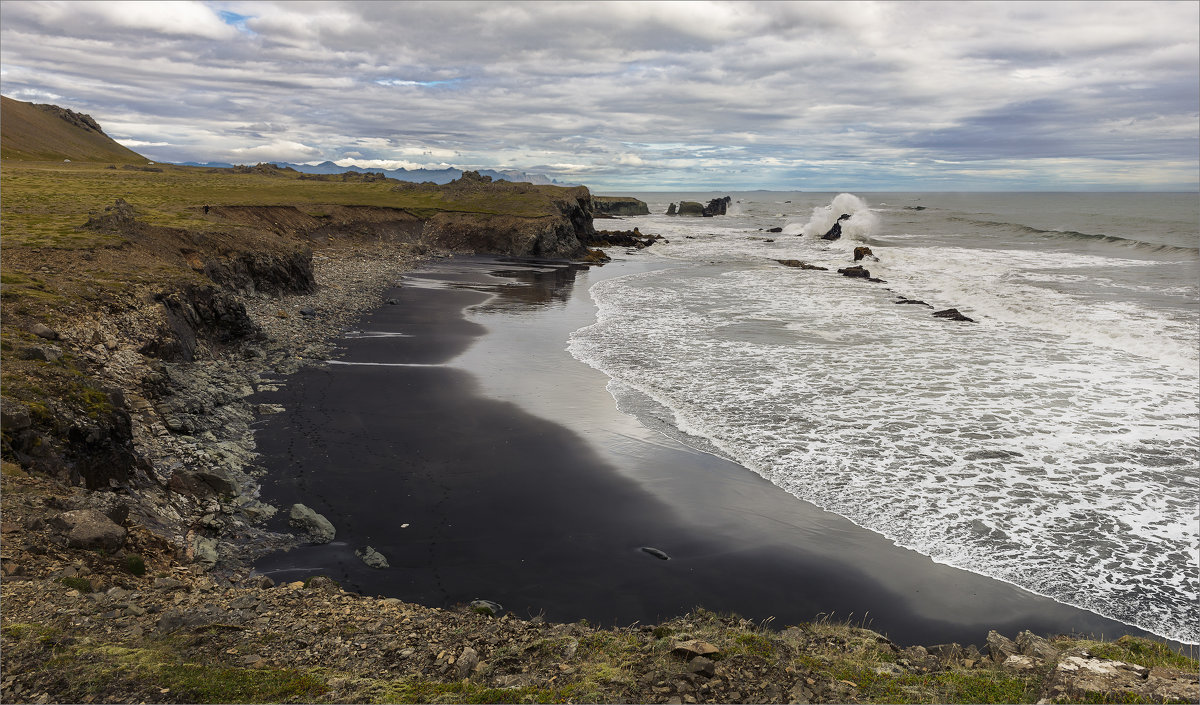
(862,222)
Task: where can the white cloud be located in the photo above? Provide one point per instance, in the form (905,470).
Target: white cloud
(179,19)
(131,143)
(279,150)
(616,89)
(389,164)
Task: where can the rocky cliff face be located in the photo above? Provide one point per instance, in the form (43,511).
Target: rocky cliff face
(558,234)
(69,424)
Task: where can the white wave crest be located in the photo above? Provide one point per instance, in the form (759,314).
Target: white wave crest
(861,223)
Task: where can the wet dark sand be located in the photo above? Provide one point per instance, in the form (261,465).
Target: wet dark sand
(520,483)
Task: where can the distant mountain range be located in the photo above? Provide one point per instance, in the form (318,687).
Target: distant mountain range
(437,176)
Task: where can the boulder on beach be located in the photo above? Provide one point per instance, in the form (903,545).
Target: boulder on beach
(319,529)
(489,607)
(373,558)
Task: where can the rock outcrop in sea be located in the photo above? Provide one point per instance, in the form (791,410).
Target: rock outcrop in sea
(717,206)
(604,206)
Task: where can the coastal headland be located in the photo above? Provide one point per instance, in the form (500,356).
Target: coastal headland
(153,317)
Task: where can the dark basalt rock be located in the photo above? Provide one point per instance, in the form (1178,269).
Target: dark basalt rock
(690,208)
(862,252)
(717,206)
(195,314)
(671,209)
(953,315)
(656,553)
(856,272)
(621,238)
(800,265)
(270,273)
(606,206)
(118,216)
(775,230)
(836,231)
(912,301)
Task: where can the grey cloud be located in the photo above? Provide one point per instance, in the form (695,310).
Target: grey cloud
(846,87)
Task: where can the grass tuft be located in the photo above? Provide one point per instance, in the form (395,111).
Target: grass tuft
(80,584)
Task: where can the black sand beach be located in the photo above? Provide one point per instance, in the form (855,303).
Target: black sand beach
(485,462)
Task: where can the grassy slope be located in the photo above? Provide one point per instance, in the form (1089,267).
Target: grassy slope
(52,269)
(32,133)
(44,203)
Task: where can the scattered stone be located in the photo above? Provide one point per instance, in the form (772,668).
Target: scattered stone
(775,230)
(1000,647)
(323,583)
(467,661)
(14,416)
(372,558)
(307,311)
(41,330)
(1078,674)
(494,609)
(702,666)
(43,353)
(319,529)
(1033,645)
(661,555)
(218,480)
(855,272)
(912,301)
(945,652)
(204,551)
(693,648)
(89,528)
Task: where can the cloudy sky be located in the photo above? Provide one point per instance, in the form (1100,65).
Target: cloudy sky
(812,96)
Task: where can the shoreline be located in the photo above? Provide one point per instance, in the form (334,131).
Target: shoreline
(713,517)
(186,632)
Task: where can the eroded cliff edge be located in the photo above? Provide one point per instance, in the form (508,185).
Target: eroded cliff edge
(134,332)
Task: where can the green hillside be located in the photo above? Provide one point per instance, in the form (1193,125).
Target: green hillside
(34,132)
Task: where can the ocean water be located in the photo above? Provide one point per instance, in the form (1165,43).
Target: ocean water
(1053,443)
